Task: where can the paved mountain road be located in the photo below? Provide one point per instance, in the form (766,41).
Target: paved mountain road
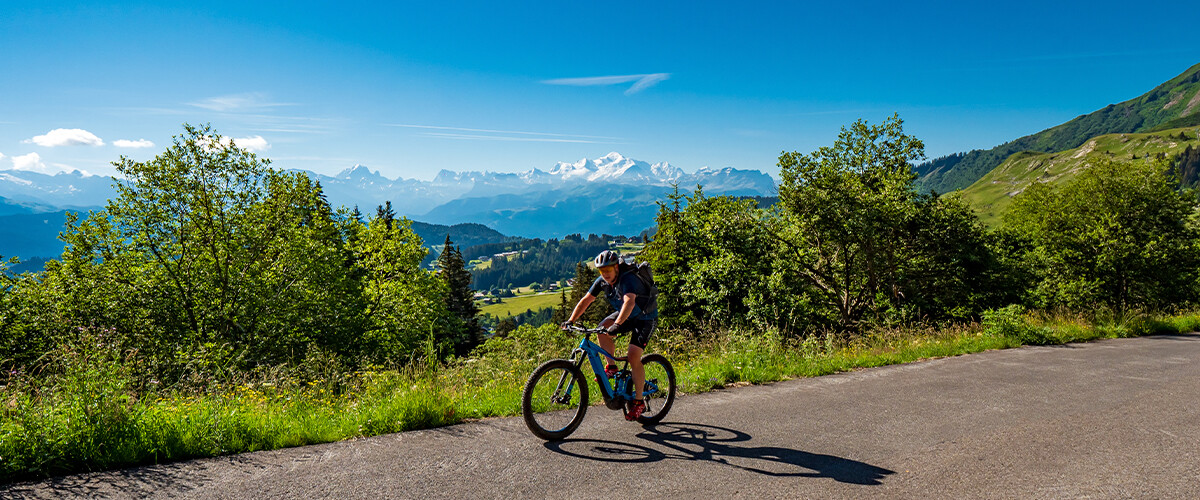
(1109,419)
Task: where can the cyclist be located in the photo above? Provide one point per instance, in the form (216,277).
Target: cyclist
(628,296)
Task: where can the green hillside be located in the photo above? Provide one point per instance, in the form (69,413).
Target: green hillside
(520,304)
(1175,103)
(991,195)
(463,235)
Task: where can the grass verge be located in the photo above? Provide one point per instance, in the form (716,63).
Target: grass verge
(85,414)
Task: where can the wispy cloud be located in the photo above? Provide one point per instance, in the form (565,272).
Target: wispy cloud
(642,82)
(138,144)
(237,102)
(66,137)
(248,112)
(506,135)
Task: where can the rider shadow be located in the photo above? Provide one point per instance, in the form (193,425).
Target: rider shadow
(716,444)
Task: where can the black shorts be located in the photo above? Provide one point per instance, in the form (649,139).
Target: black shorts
(640,329)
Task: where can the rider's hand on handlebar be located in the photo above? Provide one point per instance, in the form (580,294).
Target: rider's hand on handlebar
(566,325)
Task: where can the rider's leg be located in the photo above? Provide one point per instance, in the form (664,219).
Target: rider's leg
(635,366)
(638,339)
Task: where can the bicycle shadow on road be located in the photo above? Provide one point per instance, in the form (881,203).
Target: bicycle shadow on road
(708,443)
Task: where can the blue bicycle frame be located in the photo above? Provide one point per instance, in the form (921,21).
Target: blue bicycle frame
(614,397)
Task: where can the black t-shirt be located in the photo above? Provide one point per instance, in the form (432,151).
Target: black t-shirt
(626,283)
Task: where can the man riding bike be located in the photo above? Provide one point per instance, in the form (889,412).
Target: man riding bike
(629,297)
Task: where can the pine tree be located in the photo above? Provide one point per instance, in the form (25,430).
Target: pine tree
(584,277)
(461,298)
(563,311)
(385,213)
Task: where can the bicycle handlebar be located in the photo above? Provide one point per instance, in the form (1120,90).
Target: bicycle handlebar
(576,328)
(597,330)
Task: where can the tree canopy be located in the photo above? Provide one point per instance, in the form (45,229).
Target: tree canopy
(208,257)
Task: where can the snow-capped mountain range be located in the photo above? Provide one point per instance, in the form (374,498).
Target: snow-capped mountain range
(363,187)
(611,194)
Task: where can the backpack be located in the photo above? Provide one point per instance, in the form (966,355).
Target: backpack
(643,272)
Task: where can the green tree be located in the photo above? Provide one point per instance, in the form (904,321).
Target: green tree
(460,299)
(406,306)
(205,245)
(563,311)
(710,258)
(845,210)
(1119,234)
(209,261)
(850,241)
(386,214)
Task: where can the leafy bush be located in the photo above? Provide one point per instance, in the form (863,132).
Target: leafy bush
(1009,321)
(1118,235)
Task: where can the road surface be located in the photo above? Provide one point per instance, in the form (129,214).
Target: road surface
(1109,419)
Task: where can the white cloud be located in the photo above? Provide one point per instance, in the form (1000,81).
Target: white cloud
(140,143)
(254,144)
(643,81)
(66,137)
(31,162)
(1,156)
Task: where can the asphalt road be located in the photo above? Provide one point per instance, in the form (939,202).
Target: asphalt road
(1110,419)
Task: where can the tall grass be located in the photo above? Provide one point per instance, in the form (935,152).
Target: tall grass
(86,409)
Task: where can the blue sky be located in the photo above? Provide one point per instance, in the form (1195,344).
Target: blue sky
(412,88)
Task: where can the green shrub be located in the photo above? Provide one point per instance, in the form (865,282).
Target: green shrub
(1009,321)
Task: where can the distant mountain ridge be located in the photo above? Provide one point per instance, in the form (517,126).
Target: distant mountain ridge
(611,194)
(1173,104)
(47,193)
(360,186)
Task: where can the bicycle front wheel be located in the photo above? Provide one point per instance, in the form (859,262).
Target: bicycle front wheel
(554,400)
(659,389)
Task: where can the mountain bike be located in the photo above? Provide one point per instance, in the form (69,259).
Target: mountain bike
(555,398)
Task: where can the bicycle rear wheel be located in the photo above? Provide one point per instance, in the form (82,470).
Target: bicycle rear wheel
(659,390)
(554,400)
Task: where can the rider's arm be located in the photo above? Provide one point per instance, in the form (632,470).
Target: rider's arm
(626,308)
(581,306)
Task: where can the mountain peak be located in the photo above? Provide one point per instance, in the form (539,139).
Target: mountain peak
(358,171)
